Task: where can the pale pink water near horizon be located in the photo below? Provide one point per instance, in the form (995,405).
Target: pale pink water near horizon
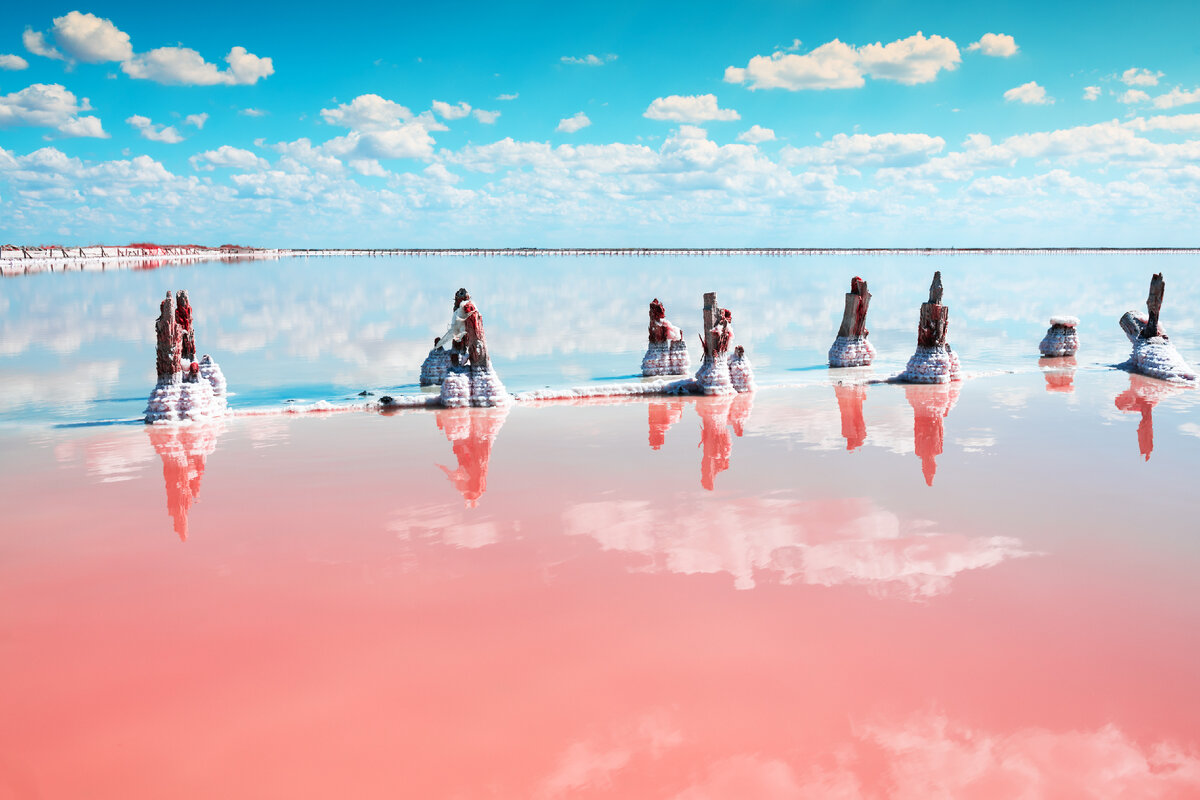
(979,590)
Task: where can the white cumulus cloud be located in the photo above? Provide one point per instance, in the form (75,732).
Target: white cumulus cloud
(155,133)
(1031,94)
(91,39)
(227,156)
(1177,97)
(451,111)
(1091,92)
(837,65)
(12,62)
(49,106)
(859,149)
(196,119)
(757,134)
(589,60)
(1140,77)
(35,42)
(995,44)
(579,121)
(1133,96)
(689,108)
(182,66)
(486,117)
(367,112)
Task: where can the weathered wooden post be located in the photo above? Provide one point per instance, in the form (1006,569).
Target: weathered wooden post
(851,348)
(934,361)
(1153,354)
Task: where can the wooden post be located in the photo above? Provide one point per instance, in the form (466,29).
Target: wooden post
(1154,305)
(710,320)
(854,318)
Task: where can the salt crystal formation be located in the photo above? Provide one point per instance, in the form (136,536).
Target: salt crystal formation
(194,392)
(851,348)
(933,361)
(1061,339)
(715,375)
(1153,355)
(435,366)
(470,380)
(666,353)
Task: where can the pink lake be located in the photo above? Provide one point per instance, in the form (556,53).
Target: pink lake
(979,591)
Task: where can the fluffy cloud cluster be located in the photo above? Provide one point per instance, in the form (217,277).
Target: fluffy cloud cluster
(49,106)
(892,149)
(227,157)
(94,40)
(1031,94)
(995,44)
(155,133)
(837,65)
(451,112)
(11,62)
(574,123)
(757,134)
(689,108)
(1140,77)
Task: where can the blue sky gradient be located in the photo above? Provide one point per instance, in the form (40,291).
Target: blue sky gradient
(601,124)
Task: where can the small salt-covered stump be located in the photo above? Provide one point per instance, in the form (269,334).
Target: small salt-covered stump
(666,351)
(470,380)
(1061,339)
(1153,354)
(714,376)
(741,373)
(211,372)
(933,361)
(851,348)
(435,366)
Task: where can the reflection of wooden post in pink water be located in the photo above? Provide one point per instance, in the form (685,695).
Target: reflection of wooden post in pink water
(471,432)
(662,416)
(717,415)
(1141,397)
(931,403)
(183,450)
(1059,373)
(850,399)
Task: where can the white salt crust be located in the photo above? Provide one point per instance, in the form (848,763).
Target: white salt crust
(851,351)
(1060,340)
(741,373)
(175,400)
(666,358)
(1158,358)
(713,376)
(473,386)
(937,364)
(435,367)
(1066,322)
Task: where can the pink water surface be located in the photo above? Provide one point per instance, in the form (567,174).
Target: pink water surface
(981,591)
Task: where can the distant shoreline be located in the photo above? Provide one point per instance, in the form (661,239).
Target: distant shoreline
(21,261)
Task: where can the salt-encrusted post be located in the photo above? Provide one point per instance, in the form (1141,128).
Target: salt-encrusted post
(666,351)
(934,361)
(183,318)
(1061,339)
(167,348)
(470,380)
(718,374)
(851,348)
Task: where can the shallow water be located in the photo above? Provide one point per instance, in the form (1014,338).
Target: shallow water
(79,346)
(977,590)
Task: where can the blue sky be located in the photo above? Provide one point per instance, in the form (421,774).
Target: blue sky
(441,124)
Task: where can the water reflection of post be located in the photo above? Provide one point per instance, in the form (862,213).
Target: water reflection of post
(931,404)
(662,416)
(850,399)
(1141,397)
(184,450)
(717,414)
(471,432)
(1059,373)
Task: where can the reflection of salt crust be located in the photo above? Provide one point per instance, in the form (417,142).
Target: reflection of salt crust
(713,376)
(1061,339)
(1158,358)
(741,373)
(473,386)
(851,351)
(936,364)
(211,372)
(436,365)
(666,358)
